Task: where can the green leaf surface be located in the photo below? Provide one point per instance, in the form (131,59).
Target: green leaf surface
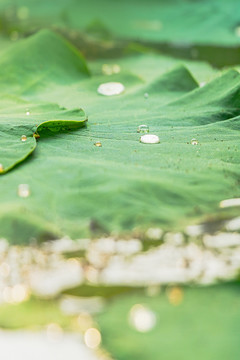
(78,188)
(20,122)
(39,62)
(31,65)
(198,327)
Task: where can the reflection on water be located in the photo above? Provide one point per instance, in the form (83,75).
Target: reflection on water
(82,267)
(171,258)
(26,345)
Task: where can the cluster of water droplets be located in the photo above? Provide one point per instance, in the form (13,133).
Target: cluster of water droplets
(147,138)
(107,89)
(117,88)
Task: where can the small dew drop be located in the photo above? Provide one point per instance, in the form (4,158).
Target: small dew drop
(202,84)
(1,168)
(98,144)
(23,190)
(194,142)
(146,96)
(149,139)
(111,88)
(27,112)
(143,129)
(23,138)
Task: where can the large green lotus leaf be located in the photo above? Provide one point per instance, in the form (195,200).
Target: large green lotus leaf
(41,61)
(148,66)
(32,64)
(78,188)
(200,318)
(56,69)
(28,121)
(178,21)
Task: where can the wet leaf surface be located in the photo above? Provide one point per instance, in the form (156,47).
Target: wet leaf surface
(123,183)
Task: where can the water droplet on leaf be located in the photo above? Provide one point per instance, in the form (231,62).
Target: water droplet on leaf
(23,138)
(98,144)
(23,190)
(1,168)
(146,96)
(143,129)
(111,88)
(27,112)
(194,142)
(149,139)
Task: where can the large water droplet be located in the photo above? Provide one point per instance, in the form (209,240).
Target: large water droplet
(23,138)
(143,129)
(98,144)
(23,190)
(111,88)
(150,139)
(194,142)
